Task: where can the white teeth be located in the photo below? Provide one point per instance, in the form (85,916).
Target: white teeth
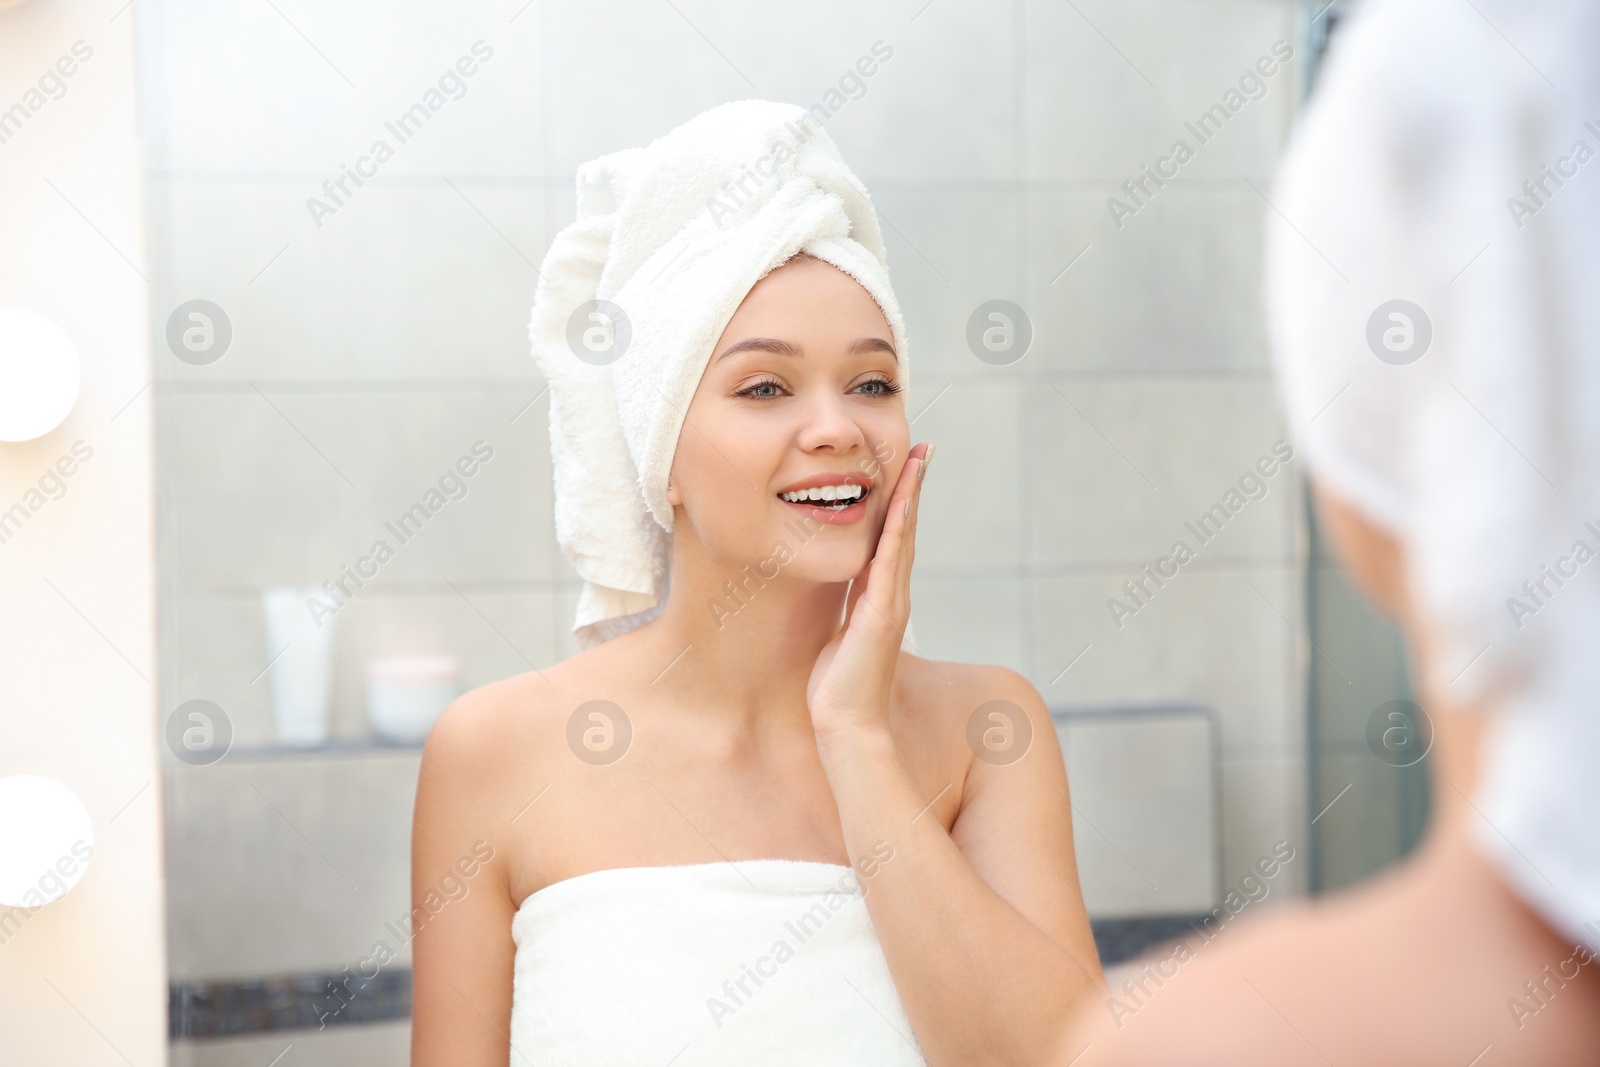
(826,494)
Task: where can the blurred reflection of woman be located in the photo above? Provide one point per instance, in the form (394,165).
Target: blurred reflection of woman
(1438,335)
(742,826)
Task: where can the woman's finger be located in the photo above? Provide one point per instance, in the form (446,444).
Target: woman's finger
(883,584)
(884,554)
(862,662)
(898,513)
(858,585)
(908,540)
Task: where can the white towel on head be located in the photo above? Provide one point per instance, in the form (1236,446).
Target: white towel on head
(672,236)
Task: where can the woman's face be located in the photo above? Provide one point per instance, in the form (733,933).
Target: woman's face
(800,399)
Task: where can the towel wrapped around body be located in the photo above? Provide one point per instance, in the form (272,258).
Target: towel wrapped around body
(768,962)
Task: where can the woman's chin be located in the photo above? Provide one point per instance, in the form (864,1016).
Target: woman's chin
(819,554)
(834,568)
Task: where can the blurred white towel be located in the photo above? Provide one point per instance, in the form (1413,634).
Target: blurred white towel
(1443,165)
(767,962)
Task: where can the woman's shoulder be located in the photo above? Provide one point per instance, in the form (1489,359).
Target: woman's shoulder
(507,727)
(960,688)
(968,706)
(959,721)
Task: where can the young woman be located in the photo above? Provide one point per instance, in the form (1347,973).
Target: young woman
(780,838)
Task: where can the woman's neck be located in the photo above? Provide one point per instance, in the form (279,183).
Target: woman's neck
(738,643)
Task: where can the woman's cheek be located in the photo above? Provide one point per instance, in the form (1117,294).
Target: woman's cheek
(738,440)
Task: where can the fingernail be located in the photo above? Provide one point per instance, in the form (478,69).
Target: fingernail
(905,509)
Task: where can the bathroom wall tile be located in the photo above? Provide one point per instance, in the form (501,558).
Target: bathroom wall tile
(1263,803)
(967,619)
(216,647)
(1146,818)
(370,1045)
(949,251)
(284,866)
(1363,806)
(407,281)
(272,486)
(560,197)
(675,71)
(941,107)
(1117,469)
(944,108)
(303,88)
(564,608)
(1175,287)
(1163,64)
(495,525)
(1213,637)
(1363,662)
(242,497)
(969,513)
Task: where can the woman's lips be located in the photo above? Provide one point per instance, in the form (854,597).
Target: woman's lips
(834,516)
(818,509)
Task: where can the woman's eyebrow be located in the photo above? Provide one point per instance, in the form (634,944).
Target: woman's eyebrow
(761,344)
(870,344)
(784,348)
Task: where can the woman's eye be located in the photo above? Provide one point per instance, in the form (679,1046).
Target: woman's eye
(877,387)
(763,390)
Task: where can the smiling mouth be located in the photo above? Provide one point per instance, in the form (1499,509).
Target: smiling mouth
(828,497)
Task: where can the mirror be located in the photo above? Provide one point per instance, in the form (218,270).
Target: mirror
(349,207)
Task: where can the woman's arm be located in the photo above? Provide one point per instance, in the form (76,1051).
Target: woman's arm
(990,950)
(1435,963)
(461,945)
(983,928)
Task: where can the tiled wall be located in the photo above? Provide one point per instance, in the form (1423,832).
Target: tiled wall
(1374,811)
(372,350)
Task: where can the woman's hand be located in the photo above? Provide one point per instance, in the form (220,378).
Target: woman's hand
(849,686)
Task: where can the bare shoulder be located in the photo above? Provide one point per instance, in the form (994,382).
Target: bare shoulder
(476,725)
(517,725)
(956,691)
(969,717)
(493,739)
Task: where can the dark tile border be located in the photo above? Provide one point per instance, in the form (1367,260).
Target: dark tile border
(1121,939)
(315,1001)
(287,1002)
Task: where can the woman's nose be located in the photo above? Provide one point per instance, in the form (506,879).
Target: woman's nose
(829,426)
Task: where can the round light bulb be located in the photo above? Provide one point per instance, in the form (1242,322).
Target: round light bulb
(46,840)
(39,375)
